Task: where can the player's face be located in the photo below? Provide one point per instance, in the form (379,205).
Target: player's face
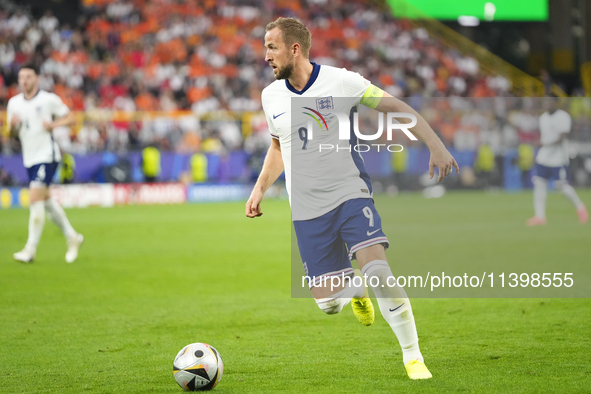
(27,80)
(278,55)
(551,104)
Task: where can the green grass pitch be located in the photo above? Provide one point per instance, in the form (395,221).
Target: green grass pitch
(151,279)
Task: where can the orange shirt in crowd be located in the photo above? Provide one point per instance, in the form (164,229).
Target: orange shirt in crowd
(196,94)
(145,102)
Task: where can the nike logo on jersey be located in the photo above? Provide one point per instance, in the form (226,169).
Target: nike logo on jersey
(276,116)
(372,233)
(392,310)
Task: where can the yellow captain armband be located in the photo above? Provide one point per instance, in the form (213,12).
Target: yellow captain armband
(372,97)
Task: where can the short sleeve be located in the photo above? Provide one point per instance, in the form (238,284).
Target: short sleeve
(58,108)
(272,129)
(565,122)
(354,85)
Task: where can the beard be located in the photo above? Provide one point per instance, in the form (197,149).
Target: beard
(285,72)
(28,90)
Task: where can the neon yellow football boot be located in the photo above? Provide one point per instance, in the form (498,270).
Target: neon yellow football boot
(362,307)
(417,370)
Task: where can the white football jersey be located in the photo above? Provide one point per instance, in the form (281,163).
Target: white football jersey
(318,180)
(37,142)
(551,127)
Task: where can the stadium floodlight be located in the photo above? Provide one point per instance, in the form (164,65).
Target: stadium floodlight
(489,11)
(470,21)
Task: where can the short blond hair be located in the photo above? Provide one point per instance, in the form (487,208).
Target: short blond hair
(293,31)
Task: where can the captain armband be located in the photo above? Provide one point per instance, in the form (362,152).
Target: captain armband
(372,97)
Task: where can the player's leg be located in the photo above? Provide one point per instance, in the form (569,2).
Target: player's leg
(394,305)
(361,304)
(364,234)
(326,263)
(38,192)
(334,289)
(540,181)
(333,292)
(57,215)
(332,301)
(540,196)
(569,192)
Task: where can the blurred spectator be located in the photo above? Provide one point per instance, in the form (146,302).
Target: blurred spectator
(134,143)
(18,22)
(167,101)
(5,179)
(212,143)
(151,163)
(124,103)
(87,139)
(7,53)
(145,101)
(48,23)
(484,164)
(525,162)
(230,135)
(67,169)
(198,167)
(399,168)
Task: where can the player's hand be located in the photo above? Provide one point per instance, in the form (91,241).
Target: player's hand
(444,161)
(253,205)
(48,125)
(15,121)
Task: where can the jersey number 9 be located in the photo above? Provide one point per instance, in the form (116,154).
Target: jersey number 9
(303,132)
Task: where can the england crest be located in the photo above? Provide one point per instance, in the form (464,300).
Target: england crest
(324,103)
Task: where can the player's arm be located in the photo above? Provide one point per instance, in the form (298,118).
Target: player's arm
(67,120)
(62,114)
(560,138)
(272,168)
(440,157)
(15,125)
(13,121)
(560,130)
(556,141)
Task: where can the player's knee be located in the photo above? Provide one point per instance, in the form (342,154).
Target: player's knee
(330,306)
(539,181)
(561,185)
(37,210)
(378,273)
(383,282)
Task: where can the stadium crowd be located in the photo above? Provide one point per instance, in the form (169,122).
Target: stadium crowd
(207,56)
(191,58)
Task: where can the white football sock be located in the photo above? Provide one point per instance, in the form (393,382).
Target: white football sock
(540,194)
(58,216)
(36,223)
(395,307)
(570,193)
(336,302)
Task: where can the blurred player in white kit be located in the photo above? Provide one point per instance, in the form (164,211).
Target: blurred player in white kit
(552,162)
(32,115)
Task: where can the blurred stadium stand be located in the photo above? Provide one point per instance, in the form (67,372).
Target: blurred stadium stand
(187,76)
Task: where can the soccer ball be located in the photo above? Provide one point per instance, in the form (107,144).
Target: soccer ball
(198,366)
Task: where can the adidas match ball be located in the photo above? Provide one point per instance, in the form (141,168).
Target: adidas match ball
(198,366)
